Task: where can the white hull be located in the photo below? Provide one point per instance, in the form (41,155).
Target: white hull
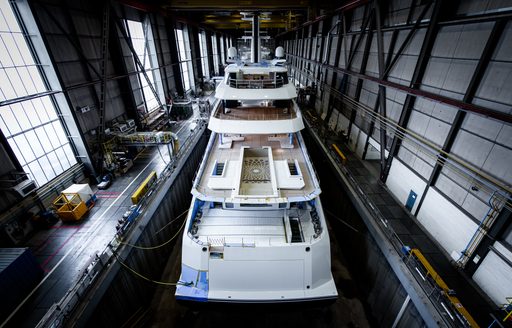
(257,268)
(256,231)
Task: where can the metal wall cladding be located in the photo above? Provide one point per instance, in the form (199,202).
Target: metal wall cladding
(19,273)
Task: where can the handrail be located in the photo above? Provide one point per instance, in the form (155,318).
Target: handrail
(256,84)
(262,114)
(57,314)
(434,293)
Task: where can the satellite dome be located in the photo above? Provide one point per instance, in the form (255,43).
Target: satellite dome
(232,52)
(279,52)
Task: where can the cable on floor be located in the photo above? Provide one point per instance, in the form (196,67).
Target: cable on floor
(157,246)
(138,274)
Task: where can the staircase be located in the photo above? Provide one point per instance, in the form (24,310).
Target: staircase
(296,231)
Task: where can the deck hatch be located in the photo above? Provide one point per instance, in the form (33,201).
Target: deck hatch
(218,169)
(293,169)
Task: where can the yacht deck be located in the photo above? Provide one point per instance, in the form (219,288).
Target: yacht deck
(231,156)
(255,113)
(252,228)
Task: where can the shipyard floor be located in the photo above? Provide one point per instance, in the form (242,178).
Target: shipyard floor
(356,288)
(366,174)
(64,249)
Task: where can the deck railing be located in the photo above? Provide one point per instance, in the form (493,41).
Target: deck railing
(256,114)
(256,84)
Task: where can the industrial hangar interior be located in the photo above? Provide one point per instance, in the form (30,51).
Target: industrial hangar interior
(106,112)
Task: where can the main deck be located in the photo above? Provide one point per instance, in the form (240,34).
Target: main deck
(254,228)
(230,173)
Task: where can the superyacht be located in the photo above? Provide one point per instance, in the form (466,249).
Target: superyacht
(256,231)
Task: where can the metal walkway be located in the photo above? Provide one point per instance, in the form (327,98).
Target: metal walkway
(64,250)
(365,174)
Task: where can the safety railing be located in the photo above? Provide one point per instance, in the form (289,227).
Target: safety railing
(256,113)
(57,315)
(436,295)
(256,84)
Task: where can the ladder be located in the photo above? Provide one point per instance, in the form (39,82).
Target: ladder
(496,202)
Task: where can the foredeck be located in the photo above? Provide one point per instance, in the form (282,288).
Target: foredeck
(231,156)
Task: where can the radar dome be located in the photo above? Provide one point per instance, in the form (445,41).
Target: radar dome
(232,52)
(279,52)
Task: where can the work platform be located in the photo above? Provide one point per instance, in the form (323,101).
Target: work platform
(65,249)
(363,175)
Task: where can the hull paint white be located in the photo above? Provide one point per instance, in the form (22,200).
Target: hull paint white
(256,231)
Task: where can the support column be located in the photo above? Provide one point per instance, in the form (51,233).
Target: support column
(255,44)
(175,60)
(209,52)
(382,89)
(478,74)
(418,74)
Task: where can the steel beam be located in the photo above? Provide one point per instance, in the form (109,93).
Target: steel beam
(209,51)
(196,53)
(362,69)
(418,74)
(372,124)
(406,41)
(136,58)
(173,48)
(81,152)
(160,54)
(73,42)
(367,25)
(353,47)
(116,51)
(475,81)
(104,70)
(28,97)
(345,8)
(392,44)
(479,110)
(411,11)
(336,62)
(83,61)
(379,14)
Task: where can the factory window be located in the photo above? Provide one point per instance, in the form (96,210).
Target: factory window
(143,43)
(215,51)
(28,114)
(204,54)
(184,53)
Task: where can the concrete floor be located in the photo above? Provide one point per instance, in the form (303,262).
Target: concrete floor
(366,174)
(65,249)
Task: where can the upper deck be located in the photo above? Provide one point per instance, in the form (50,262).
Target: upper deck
(255,82)
(256,169)
(256,117)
